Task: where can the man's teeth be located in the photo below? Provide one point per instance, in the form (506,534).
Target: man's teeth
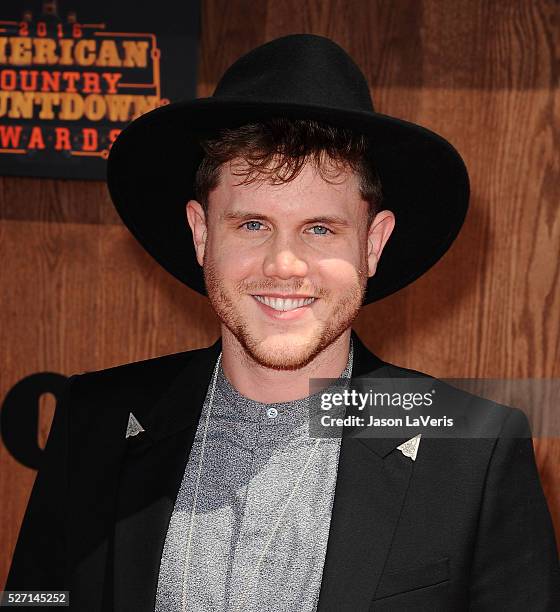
(281,304)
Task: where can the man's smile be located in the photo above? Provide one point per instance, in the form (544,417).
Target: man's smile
(284,308)
(284,303)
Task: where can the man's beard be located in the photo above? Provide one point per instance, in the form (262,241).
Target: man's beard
(287,356)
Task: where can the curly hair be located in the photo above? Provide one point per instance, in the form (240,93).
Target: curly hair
(277,149)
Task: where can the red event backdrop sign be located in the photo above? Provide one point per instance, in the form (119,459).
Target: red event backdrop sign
(74,73)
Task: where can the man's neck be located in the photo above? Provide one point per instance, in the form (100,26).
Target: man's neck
(270,386)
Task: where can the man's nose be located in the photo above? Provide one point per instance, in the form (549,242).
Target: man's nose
(283,261)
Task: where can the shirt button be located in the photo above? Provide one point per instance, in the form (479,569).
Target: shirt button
(272,413)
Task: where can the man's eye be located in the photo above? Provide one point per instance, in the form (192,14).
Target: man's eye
(251,225)
(321,227)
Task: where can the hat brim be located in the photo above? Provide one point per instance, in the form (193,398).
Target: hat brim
(152,165)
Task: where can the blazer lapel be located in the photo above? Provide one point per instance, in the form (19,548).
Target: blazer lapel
(371,488)
(151,474)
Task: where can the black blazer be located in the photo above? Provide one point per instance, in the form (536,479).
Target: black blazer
(464,527)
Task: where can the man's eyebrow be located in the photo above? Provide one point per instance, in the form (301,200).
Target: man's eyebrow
(244,215)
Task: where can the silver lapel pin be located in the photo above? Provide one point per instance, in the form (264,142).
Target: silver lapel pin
(133,428)
(410,447)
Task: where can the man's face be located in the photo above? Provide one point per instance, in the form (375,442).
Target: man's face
(265,248)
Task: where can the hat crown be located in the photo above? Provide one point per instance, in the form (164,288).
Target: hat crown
(297,69)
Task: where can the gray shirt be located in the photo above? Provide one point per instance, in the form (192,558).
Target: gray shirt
(261,475)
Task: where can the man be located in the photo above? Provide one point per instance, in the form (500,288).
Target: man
(193,480)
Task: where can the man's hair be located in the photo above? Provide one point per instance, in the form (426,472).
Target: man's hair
(277,149)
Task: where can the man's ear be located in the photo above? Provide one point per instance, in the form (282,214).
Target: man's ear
(380,229)
(197,220)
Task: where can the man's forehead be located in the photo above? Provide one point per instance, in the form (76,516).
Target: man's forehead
(309,170)
(309,191)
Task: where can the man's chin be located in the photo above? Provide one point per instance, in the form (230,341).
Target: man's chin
(287,352)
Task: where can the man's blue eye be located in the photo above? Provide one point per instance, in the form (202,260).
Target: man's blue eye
(323,228)
(253,223)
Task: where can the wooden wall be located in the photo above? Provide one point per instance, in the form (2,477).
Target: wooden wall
(79,294)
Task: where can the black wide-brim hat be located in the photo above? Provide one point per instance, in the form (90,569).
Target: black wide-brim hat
(152,163)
